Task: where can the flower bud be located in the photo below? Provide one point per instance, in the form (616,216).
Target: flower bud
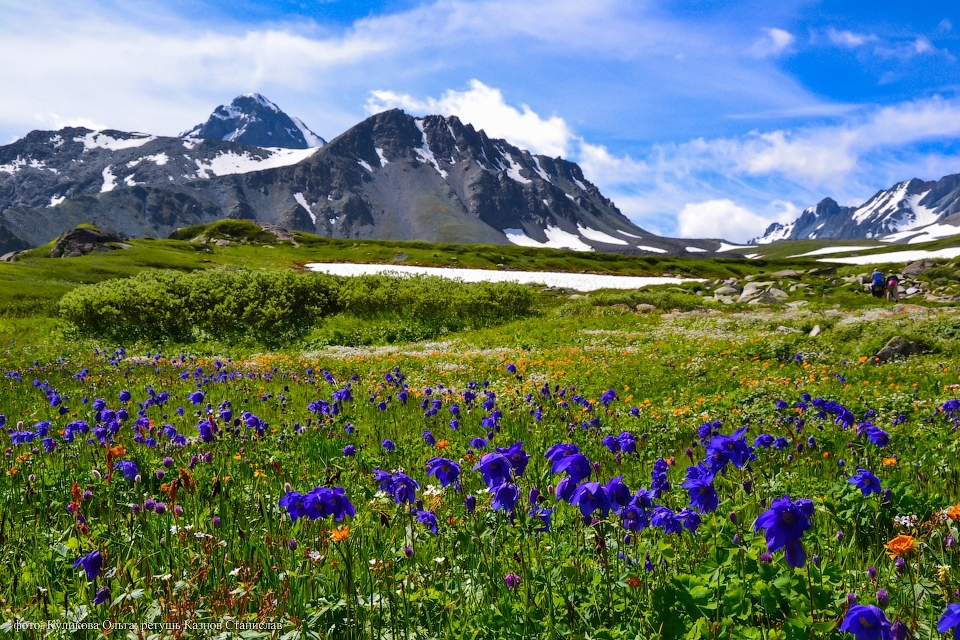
(883,599)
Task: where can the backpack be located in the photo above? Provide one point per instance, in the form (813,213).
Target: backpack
(877,279)
(892,282)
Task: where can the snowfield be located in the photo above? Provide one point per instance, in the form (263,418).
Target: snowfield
(577,281)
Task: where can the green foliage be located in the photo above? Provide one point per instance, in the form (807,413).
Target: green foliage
(277,306)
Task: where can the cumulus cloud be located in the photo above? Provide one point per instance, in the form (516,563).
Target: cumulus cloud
(718,219)
(485,108)
(774,43)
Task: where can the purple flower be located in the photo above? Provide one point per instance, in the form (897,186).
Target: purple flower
(388,445)
(699,485)
(512,580)
(517,457)
(878,436)
(495,469)
(591,497)
(103,596)
(618,493)
(950,620)
(446,471)
(576,466)
(505,498)
(427,518)
(92,564)
(128,467)
(512,368)
(784,524)
(196,397)
(867,622)
(349,451)
(470,503)
(125,396)
(866,482)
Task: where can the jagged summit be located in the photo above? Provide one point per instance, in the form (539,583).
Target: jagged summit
(253,120)
(898,214)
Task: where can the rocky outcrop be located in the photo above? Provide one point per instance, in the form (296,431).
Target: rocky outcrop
(83,240)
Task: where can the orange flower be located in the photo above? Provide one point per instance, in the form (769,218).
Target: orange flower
(13,471)
(117,451)
(340,533)
(633,582)
(76,493)
(443,444)
(954,512)
(899,546)
(889,462)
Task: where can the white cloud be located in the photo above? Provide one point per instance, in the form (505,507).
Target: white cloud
(774,43)
(485,108)
(848,39)
(718,219)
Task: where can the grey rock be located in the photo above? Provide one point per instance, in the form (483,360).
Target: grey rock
(9,257)
(727,290)
(897,347)
(400,256)
(83,240)
(815,331)
(646,308)
(777,293)
(252,119)
(916,268)
(787,273)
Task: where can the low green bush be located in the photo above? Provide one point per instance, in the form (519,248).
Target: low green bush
(276,306)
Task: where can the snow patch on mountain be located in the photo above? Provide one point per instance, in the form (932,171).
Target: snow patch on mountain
(557,238)
(231,162)
(99,140)
(109,180)
(777,231)
(599,236)
(303,203)
(425,155)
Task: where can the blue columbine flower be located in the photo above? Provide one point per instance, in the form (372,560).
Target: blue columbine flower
(699,485)
(878,436)
(659,483)
(388,445)
(196,397)
(505,498)
(103,596)
(576,466)
(560,451)
(517,457)
(784,523)
(866,482)
(125,396)
(495,469)
(92,564)
(404,488)
(667,520)
(591,497)
(950,620)
(323,502)
(867,622)
(128,468)
(293,503)
(446,471)
(618,493)
(349,451)
(427,518)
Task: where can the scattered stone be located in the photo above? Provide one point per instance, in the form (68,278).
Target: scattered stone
(815,331)
(780,294)
(399,256)
(727,290)
(577,296)
(796,304)
(83,240)
(783,329)
(787,273)
(220,242)
(646,308)
(917,268)
(823,271)
(9,257)
(765,298)
(897,348)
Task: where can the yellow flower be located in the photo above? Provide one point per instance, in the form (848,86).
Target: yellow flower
(899,546)
(889,462)
(340,533)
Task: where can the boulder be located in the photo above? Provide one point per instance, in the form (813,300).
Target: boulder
(815,331)
(897,348)
(779,294)
(917,268)
(83,240)
(646,308)
(787,273)
(9,257)
(280,233)
(400,256)
(727,290)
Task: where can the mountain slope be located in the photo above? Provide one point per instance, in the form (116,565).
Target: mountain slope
(392,176)
(896,214)
(253,120)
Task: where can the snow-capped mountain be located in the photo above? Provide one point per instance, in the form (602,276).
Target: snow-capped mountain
(253,120)
(393,176)
(896,215)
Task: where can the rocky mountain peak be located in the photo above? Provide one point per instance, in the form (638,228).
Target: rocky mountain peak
(254,120)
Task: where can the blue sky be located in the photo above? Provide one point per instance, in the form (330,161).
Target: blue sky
(698,118)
